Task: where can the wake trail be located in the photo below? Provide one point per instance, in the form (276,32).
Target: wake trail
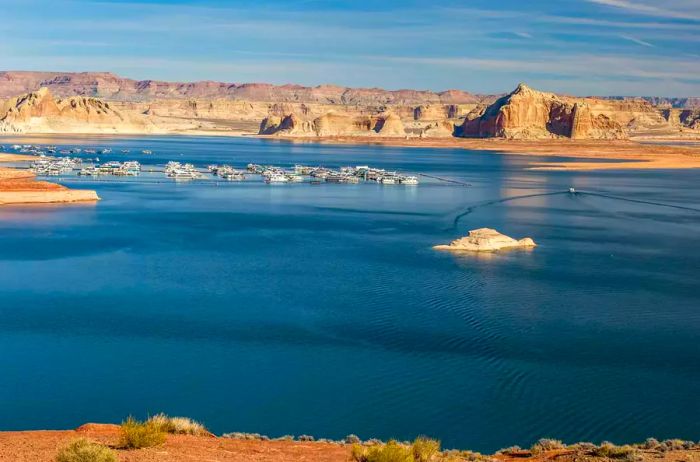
(639,201)
(499,201)
(447,180)
(472,208)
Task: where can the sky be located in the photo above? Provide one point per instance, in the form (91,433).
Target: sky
(581,47)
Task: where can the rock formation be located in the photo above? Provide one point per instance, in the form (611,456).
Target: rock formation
(92,102)
(440,129)
(485,240)
(289,125)
(333,124)
(683,118)
(39,112)
(529,114)
(388,125)
(115,88)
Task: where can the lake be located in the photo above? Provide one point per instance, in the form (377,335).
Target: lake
(321,309)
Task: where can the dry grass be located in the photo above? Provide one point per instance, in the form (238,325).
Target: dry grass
(611,451)
(422,450)
(546,444)
(425,449)
(84,450)
(178,425)
(135,434)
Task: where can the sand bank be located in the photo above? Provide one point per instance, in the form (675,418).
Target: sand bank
(598,155)
(21,187)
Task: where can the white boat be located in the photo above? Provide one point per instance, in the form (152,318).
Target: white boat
(276,178)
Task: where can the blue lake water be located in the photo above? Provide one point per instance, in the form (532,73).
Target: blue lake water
(322,309)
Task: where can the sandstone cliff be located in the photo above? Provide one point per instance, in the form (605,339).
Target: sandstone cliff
(40,112)
(529,114)
(105,103)
(334,124)
(113,87)
(440,129)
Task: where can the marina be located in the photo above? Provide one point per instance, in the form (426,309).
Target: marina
(50,163)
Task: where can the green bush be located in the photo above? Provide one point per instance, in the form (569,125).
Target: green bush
(135,434)
(178,425)
(83,450)
(424,449)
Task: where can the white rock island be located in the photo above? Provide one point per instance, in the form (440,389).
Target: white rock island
(485,240)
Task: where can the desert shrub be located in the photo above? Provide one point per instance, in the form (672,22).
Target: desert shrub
(352,439)
(509,450)
(651,444)
(611,451)
(546,444)
(358,452)
(253,436)
(472,456)
(83,450)
(583,446)
(305,438)
(675,445)
(424,449)
(389,452)
(135,434)
(179,425)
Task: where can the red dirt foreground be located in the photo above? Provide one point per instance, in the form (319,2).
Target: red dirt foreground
(42,446)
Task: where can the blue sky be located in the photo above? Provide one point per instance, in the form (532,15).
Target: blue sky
(584,47)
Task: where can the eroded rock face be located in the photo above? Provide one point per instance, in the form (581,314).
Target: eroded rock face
(682,118)
(40,112)
(389,125)
(334,124)
(531,114)
(338,124)
(113,87)
(486,240)
(165,107)
(440,129)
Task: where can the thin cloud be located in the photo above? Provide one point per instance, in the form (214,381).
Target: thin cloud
(651,10)
(636,40)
